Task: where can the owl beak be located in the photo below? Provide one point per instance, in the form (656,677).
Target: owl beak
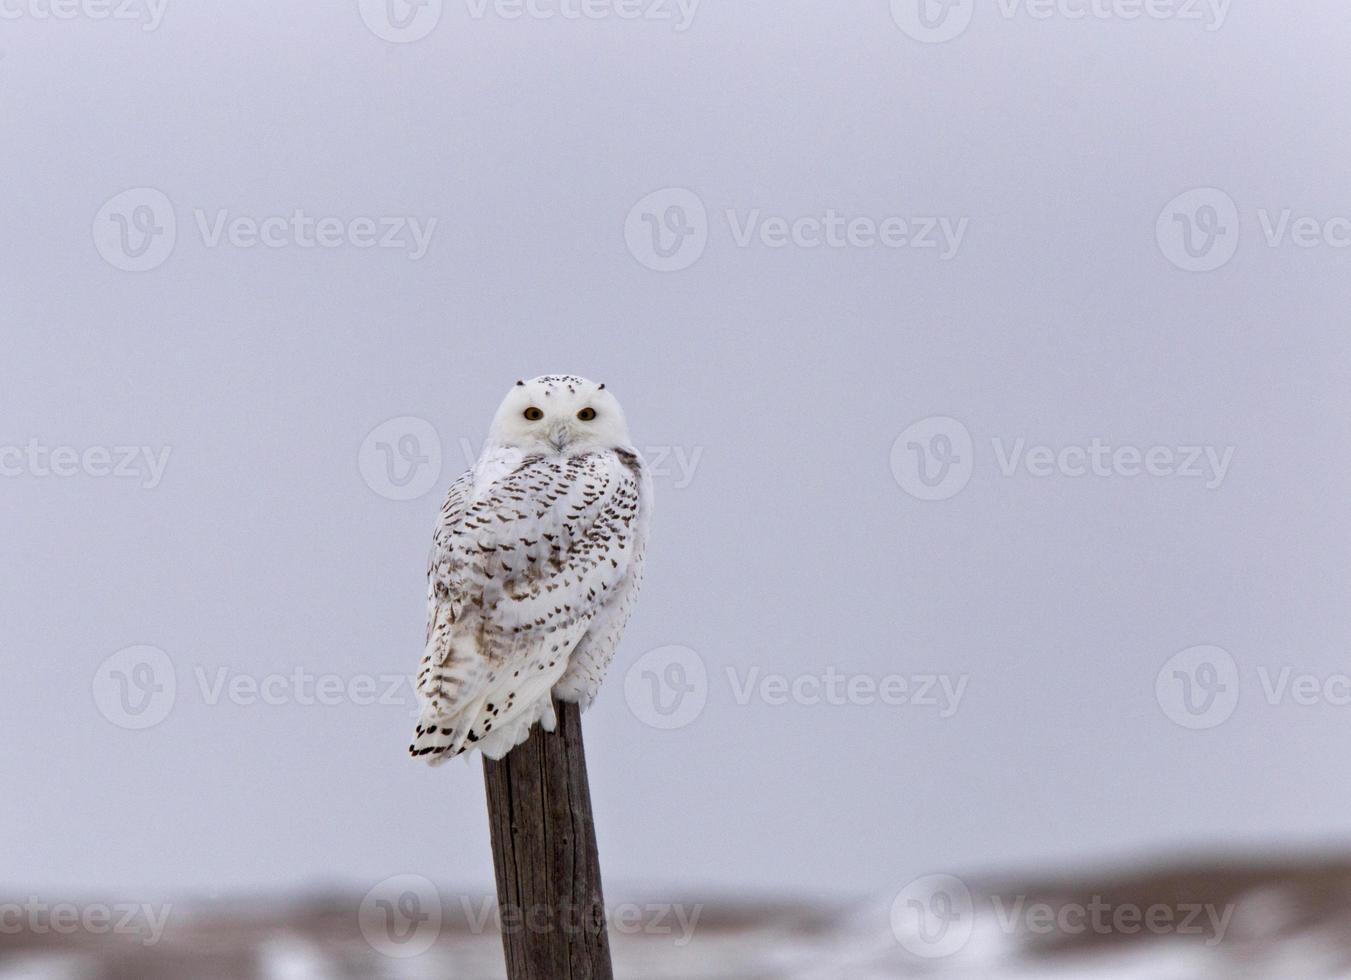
(559,434)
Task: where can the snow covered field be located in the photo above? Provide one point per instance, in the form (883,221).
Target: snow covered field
(1226,921)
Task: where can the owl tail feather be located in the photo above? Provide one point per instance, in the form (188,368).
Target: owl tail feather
(442,737)
(495,723)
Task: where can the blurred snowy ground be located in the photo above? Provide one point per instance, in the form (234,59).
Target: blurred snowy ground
(1223,920)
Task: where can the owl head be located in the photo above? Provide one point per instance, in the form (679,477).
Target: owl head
(559,414)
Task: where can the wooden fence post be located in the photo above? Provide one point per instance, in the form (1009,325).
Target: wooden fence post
(544,854)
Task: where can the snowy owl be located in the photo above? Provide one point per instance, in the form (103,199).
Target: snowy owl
(535,565)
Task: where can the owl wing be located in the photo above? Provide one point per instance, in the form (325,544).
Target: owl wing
(520,567)
(592,655)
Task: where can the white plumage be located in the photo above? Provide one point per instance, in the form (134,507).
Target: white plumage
(535,566)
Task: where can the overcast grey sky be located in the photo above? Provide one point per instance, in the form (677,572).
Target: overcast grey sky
(1055,272)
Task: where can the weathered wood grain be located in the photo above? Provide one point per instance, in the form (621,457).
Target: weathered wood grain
(544,854)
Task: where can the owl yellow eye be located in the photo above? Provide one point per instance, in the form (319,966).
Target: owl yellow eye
(587,414)
(533,414)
